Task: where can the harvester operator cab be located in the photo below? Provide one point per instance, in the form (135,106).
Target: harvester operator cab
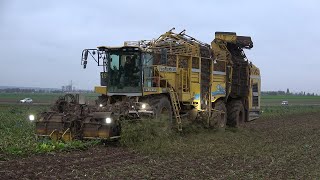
(122,68)
(124,71)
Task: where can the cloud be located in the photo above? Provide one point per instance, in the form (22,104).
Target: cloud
(41,41)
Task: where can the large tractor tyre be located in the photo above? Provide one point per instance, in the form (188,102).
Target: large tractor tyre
(220,115)
(236,114)
(163,110)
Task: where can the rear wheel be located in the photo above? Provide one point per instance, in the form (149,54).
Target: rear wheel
(236,113)
(219,116)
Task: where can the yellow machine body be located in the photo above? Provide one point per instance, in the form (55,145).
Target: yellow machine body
(173,76)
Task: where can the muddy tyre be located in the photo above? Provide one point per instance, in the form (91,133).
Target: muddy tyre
(236,114)
(221,121)
(163,110)
(218,117)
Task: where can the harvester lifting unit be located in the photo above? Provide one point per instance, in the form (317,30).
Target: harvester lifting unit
(174,77)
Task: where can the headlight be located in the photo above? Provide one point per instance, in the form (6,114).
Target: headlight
(143,106)
(31,117)
(100,105)
(108,120)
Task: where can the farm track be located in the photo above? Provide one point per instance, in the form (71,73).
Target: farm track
(16,102)
(23,104)
(284,147)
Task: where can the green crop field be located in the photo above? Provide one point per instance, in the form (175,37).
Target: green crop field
(283,143)
(17,132)
(269,100)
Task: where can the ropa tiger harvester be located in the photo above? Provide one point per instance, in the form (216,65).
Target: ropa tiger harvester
(174,76)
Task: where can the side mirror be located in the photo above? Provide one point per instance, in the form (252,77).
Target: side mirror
(85,57)
(85,64)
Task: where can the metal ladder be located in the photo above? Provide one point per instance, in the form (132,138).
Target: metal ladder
(176,107)
(184,80)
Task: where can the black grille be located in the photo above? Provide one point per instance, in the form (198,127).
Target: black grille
(255,100)
(255,88)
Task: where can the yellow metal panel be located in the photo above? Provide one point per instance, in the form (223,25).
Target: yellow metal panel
(255,80)
(100,89)
(228,37)
(152,90)
(219,78)
(195,91)
(195,77)
(186,97)
(218,90)
(170,77)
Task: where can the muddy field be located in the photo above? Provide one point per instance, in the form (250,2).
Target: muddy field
(269,148)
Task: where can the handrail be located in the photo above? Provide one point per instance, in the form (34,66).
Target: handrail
(156,75)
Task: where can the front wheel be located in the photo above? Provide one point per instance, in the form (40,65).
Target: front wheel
(163,113)
(163,110)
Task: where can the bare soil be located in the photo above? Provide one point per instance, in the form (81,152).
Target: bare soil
(278,148)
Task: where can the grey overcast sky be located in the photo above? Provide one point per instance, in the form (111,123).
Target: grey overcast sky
(41,41)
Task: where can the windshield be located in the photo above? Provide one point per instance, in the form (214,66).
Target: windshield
(125,72)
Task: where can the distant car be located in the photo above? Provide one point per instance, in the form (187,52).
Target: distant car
(26,100)
(285,103)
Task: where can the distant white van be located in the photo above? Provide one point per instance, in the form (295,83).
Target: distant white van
(285,103)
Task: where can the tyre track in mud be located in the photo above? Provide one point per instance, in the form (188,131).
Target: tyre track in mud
(76,164)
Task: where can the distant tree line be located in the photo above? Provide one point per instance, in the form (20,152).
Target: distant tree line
(274,93)
(30,90)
